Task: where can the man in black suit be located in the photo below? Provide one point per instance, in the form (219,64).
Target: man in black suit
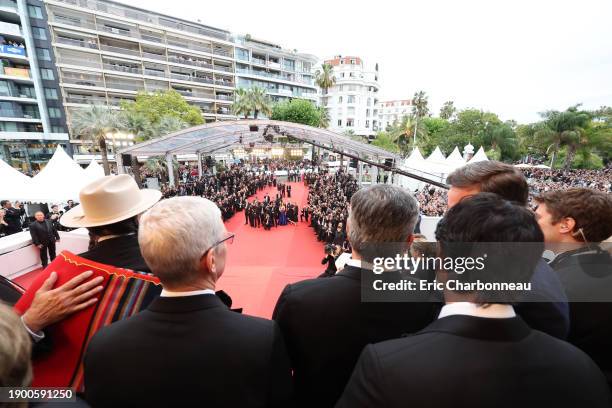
(324,321)
(187,348)
(545,306)
(44,236)
(479,352)
(575,222)
(12,216)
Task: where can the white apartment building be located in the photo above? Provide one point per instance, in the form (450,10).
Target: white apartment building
(390,112)
(107,52)
(352,101)
(285,74)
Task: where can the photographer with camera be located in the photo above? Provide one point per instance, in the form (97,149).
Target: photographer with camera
(12,216)
(331,252)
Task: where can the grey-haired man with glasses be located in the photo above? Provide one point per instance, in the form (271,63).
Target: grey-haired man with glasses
(187,346)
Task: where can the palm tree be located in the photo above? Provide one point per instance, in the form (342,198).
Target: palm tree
(448,110)
(564,129)
(324,78)
(502,139)
(260,101)
(323,117)
(137,125)
(94,123)
(407,131)
(169,124)
(241,105)
(420,103)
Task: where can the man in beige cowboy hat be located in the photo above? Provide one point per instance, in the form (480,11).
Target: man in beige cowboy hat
(109,210)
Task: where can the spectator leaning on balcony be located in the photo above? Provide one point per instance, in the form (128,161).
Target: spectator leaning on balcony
(574,223)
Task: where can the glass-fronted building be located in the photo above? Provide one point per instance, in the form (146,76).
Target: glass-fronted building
(32,118)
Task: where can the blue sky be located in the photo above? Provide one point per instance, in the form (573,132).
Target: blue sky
(515,58)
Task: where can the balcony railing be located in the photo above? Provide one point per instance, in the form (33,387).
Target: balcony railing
(225,98)
(223,83)
(89,100)
(150,55)
(119,31)
(73,21)
(8,4)
(195,93)
(223,68)
(78,43)
(124,86)
(84,82)
(16,72)
(119,50)
(123,68)
(80,62)
(186,61)
(11,113)
(153,72)
(15,93)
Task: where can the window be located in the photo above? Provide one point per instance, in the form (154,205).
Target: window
(340,99)
(43,54)
(350,110)
(55,113)
(342,74)
(39,33)
(341,88)
(339,122)
(350,99)
(58,129)
(46,73)
(35,11)
(349,122)
(367,124)
(369,101)
(51,93)
(242,54)
(367,112)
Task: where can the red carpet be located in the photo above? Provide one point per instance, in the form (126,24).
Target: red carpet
(260,263)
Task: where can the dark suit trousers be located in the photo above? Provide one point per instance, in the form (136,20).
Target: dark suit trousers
(50,247)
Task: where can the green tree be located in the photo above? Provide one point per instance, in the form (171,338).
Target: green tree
(420,105)
(253,100)
(448,110)
(297,111)
(94,123)
(260,101)
(323,117)
(385,141)
(501,139)
(564,129)
(154,106)
(325,79)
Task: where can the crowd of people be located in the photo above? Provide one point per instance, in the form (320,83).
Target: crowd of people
(432,200)
(325,345)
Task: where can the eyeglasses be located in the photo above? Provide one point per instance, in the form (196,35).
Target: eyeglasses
(229,239)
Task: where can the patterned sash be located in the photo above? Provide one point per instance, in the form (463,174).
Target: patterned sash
(125,293)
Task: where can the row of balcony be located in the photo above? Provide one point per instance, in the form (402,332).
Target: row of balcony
(15,72)
(147,71)
(92,44)
(272,75)
(176,42)
(13,113)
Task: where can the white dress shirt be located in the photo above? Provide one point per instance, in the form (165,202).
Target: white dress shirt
(492,311)
(169,293)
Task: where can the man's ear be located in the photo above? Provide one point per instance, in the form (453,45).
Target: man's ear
(410,238)
(567,225)
(208,262)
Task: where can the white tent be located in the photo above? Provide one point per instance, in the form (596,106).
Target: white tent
(94,171)
(415,157)
(542,166)
(455,160)
(479,156)
(523,165)
(436,156)
(60,180)
(13,183)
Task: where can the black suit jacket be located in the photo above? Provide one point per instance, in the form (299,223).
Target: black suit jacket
(43,233)
(586,275)
(466,361)
(12,217)
(122,252)
(326,325)
(188,351)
